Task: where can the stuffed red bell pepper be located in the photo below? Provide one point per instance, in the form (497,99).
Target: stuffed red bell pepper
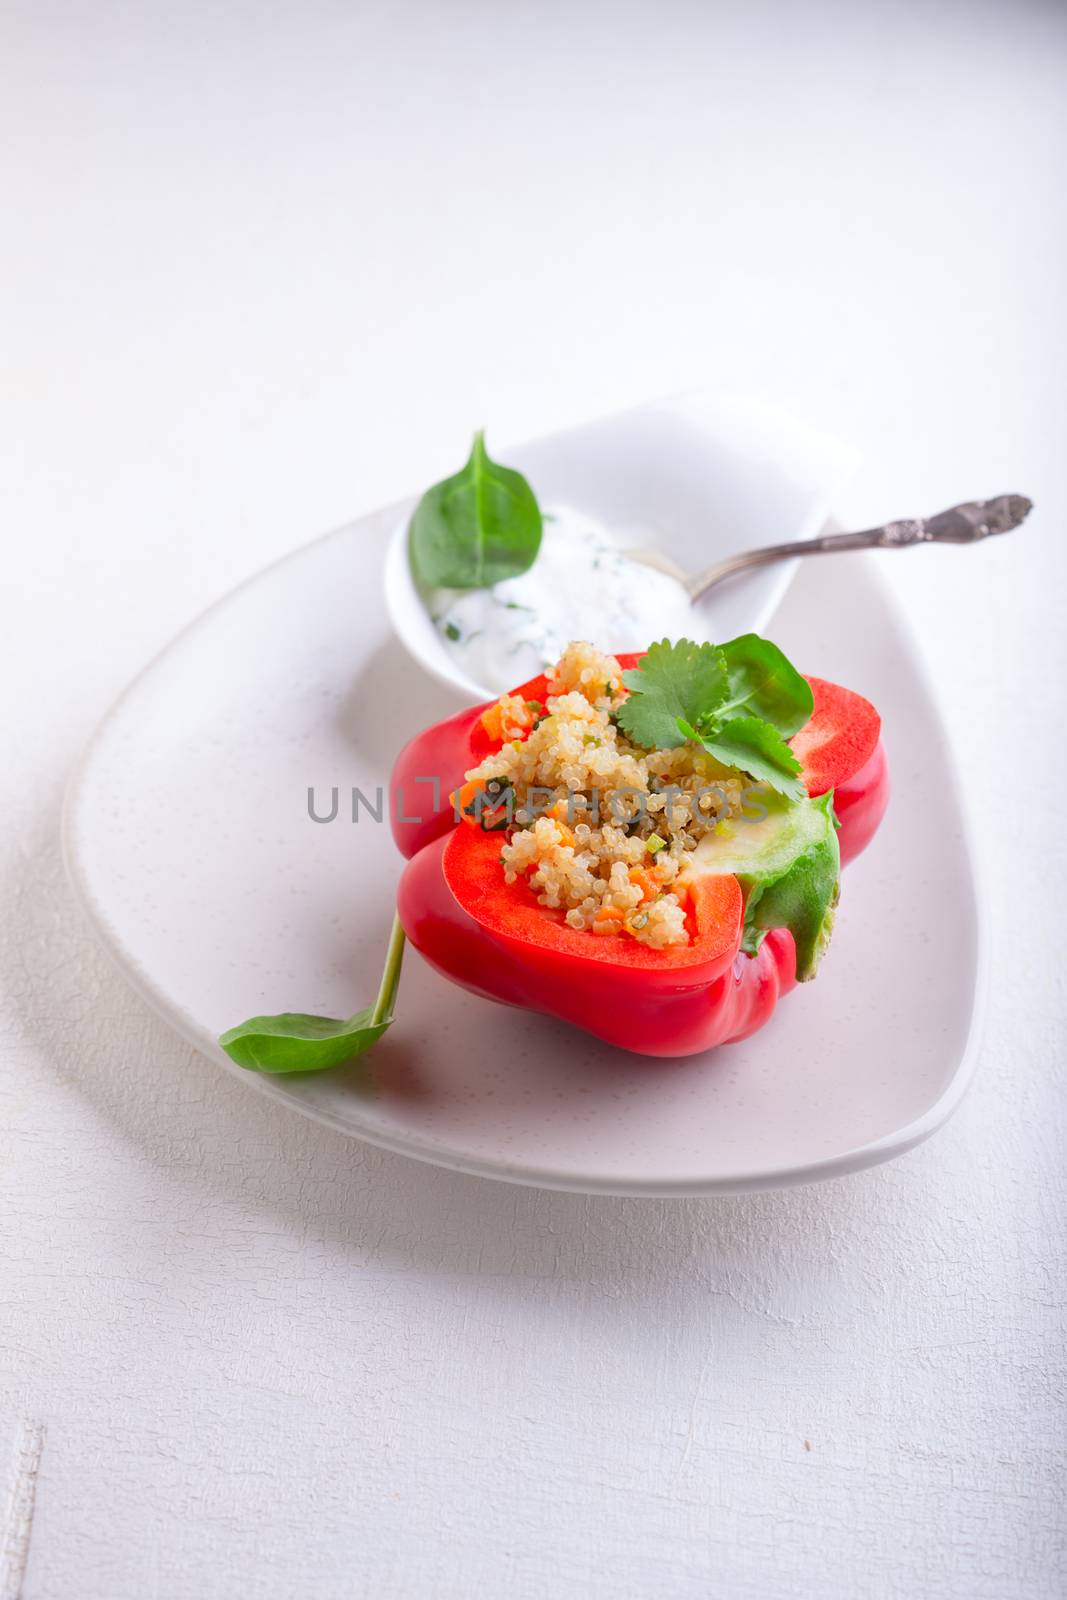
(645,846)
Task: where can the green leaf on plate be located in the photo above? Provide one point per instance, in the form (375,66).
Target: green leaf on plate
(293,1042)
(296,1042)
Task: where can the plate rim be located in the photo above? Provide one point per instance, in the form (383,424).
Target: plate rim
(856,1159)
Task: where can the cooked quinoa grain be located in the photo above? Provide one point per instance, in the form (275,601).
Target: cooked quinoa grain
(600,828)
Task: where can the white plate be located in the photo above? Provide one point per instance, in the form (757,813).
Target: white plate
(188,838)
(697,477)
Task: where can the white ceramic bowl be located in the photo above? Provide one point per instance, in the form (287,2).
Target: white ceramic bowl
(698,477)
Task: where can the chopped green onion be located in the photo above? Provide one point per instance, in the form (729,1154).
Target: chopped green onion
(654,844)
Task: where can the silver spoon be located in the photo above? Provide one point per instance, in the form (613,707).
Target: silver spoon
(965,524)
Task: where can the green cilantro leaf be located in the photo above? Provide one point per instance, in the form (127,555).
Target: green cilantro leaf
(741,701)
(672,681)
(754,747)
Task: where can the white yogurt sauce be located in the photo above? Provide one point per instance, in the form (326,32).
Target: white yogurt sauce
(582,586)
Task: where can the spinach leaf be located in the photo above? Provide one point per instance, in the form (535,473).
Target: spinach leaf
(296,1042)
(477,528)
(763,682)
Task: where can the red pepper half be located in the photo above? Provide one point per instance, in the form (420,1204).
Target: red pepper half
(497,941)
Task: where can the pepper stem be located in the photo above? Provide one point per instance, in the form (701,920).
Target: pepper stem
(394,957)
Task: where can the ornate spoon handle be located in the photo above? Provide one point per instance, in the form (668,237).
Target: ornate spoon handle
(965,524)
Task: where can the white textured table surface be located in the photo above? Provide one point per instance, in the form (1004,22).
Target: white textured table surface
(266,267)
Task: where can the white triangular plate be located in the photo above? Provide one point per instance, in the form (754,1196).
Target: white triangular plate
(188,838)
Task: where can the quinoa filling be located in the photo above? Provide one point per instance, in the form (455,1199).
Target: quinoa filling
(595,826)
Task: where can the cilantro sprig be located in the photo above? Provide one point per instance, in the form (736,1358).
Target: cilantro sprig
(740,700)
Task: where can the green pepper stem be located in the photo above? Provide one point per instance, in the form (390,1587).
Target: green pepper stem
(394,958)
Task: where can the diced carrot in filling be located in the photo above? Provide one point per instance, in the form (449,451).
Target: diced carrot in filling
(559,816)
(491,722)
(481,805)
(510,717)
(609,919)
(462,801)
(645,882)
